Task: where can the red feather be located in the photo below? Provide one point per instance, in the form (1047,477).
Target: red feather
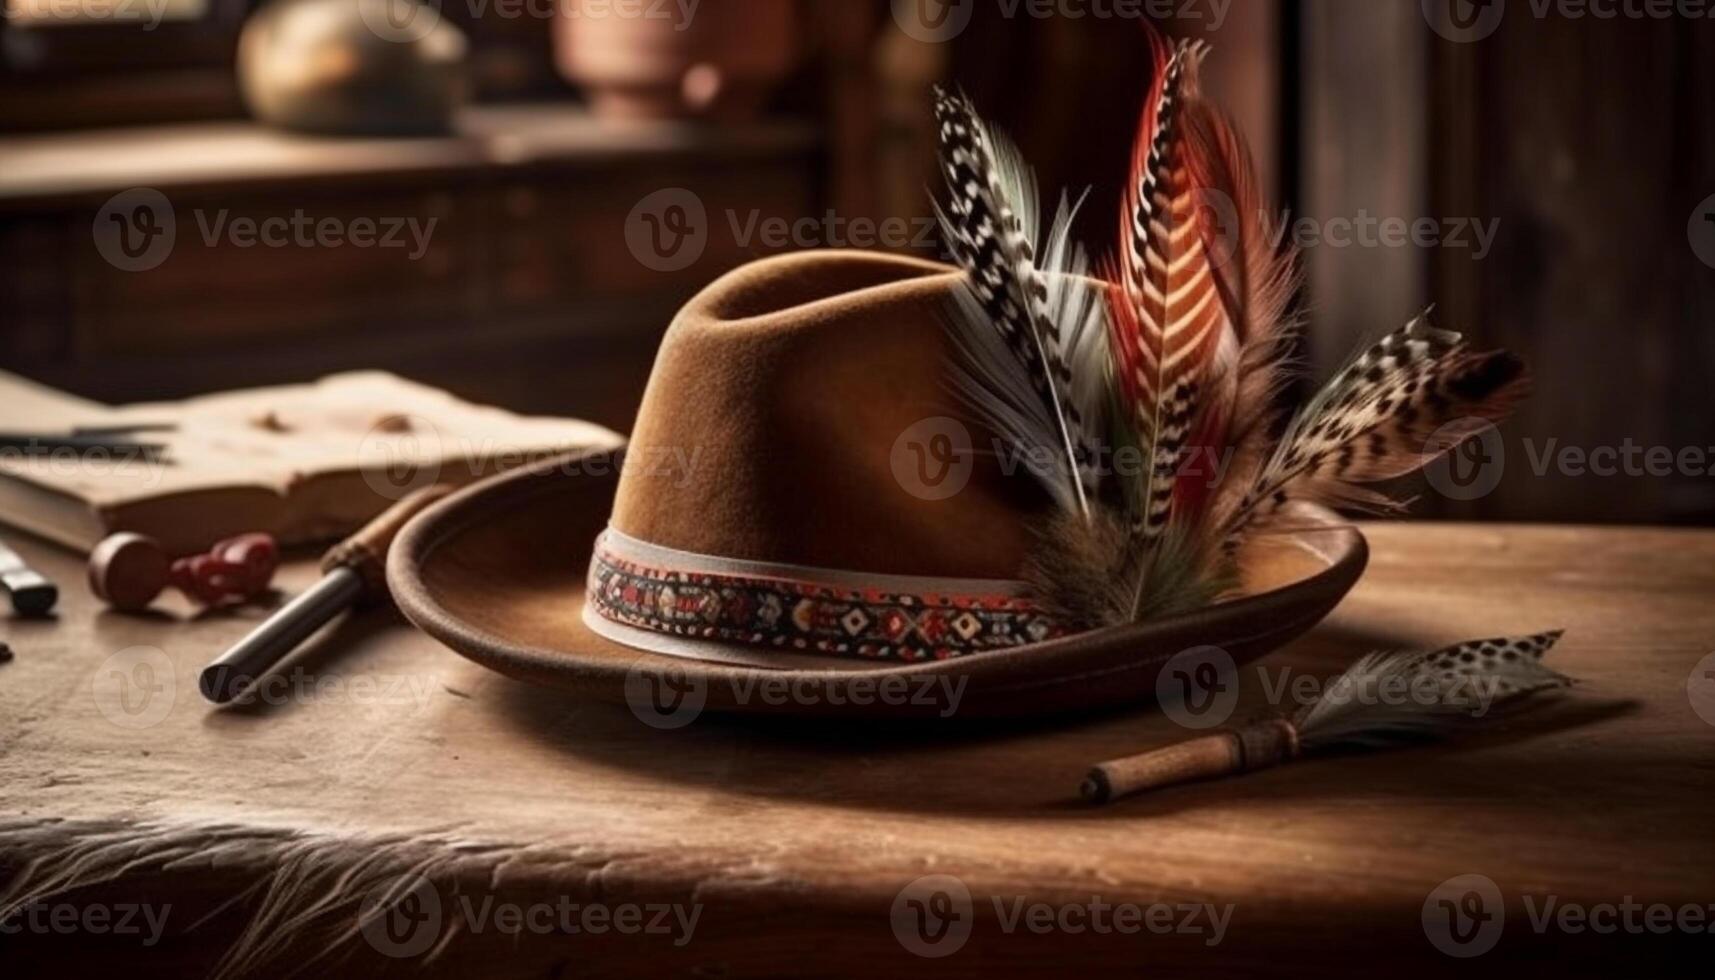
(1172,316)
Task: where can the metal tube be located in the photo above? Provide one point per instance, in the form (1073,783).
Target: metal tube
(225,679)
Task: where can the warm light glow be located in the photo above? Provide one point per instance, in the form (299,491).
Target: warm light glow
(53,13)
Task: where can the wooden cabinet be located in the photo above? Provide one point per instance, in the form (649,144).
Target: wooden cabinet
(495,262)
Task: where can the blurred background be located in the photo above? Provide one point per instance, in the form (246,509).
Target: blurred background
(510,198)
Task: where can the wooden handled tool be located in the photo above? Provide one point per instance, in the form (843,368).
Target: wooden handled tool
(353,571)
(1230,751)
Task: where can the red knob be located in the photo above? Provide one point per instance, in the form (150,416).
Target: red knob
(257,557)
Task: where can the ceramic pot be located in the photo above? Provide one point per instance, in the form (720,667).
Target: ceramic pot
(644,59)
(352,67)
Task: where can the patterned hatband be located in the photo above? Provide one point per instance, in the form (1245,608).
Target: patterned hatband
(705,598)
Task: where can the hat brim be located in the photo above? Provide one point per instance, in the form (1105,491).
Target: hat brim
(497,573)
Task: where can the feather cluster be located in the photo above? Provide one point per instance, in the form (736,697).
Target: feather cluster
(1141,392)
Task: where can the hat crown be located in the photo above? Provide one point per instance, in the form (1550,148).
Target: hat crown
(798,414)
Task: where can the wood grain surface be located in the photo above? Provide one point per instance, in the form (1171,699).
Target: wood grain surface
(264,827)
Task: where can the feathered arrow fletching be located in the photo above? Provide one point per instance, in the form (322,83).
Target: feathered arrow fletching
(1383,699)
(1386,697)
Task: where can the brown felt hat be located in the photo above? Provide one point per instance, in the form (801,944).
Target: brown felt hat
(801,502)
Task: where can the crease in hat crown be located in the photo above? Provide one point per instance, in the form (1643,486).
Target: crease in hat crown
(791,386)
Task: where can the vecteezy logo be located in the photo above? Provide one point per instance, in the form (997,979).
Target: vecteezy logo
(1701,231)
(1464,915)
(665,697)
(401,917)
(1700,689)
(135,230)
(933,458)
(1199,688)
(1464,21)
(1473,467)
(400,21)
(135,688)
(399,455)
(668,230)
(933,21)
(932,916)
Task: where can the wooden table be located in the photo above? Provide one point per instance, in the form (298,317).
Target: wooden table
(265,828)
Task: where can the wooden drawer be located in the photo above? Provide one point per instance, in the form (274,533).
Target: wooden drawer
(562,239)
(262,267)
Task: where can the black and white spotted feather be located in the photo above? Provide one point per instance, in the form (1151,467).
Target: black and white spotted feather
(1413,396)
(1389,697)
(1028,326)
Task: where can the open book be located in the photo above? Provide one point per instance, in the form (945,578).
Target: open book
(304,462)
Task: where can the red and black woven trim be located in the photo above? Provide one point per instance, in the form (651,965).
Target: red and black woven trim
(811,617)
